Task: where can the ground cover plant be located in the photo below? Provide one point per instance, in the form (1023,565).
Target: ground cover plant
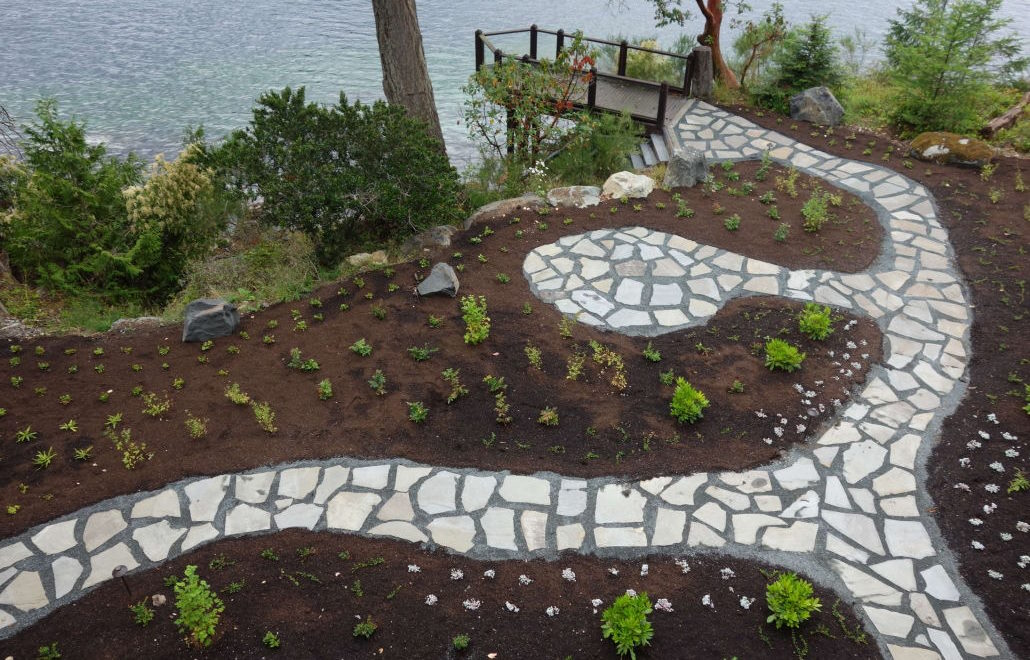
(310,609)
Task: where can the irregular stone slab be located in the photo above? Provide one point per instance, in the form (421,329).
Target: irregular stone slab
(733,500)
(101,527)
(806,506)
(66,573)
(900,507)
(55,538)
(655,485)
(163,505)
(572,498)
(712,515)
(620,537)
(767,503)
(907,538)
(534,529)
(205,496)
(969,632)
(254,488)
(842,433)
(25,592)
(835,493)
(302,515)
(668,527)
(898,571)
(799,537)
(894,624)
(703,535)
(752,481)
(944,644)
(526,490)
(570,537)
(499,526)
(619,504)
(920,604)
(298,483)
(747,525)
(245,519)
(857,527)
(371,476)
(333,477)
(838,546)
(862,459)
(407,476)
(454,532)
(103,563)
(398,507)
(441,280)
(438,493)
(348,510)
(903,451)
(939,584)
(156,540)
(911,653)
(400,530)
(894,482)
(12,554)
(864,586)
(197,535)
(578,197)
(799,475)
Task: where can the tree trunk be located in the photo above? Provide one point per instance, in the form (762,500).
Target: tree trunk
(712,11)
(405,75)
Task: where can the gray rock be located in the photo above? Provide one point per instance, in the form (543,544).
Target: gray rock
(816,105)
(629,185)
(438,236)
(140,323)
(364,259)
(686,168)
(504,207)
(575,196)
(207,318)
(442,279)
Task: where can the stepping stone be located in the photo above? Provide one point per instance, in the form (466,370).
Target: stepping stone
(103,564)
(703,535)
(375,477)
(25,592)
(12,554)
(163,505)
(887,622)
(400,530)
(476,492)
(713,515)
(668,527)
(799,537)
(454,532)
(101,527)
(198,534)
(205,496)
(907,538)
(499,526)
(799,475)
(56,537)
(898,571)
(620,537)
(66,573)
(305,516)
(332,478)
(408,476)
(969,632)
(570,537)
(534,530)
(437,494)
(619,504)
(245,519)
(747,525)
(939,584)
(862,459)
(526,490)
(298,483)
(348,510)
(254,488)
(857,527)
(572,498)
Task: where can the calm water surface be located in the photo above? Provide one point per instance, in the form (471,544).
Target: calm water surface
(138,71)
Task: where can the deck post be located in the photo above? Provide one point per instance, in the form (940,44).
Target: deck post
(623,53)
(532,41)
(702,73)
(592,87)
(687,73)
(498,56)
(663,99)
(479,50)
(559,41)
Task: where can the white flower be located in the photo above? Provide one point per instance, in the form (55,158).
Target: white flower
(963,462)
(989,508)
(973,444)
(663,605)
(845,356)
(800,428)
(512,607)
(1025,586)
(524,580)
(685,567)
(1011,453)
(962,486)
(1005,536)
(431,599)
(1024,561)
(1009,436)
(414,568)
(836,403)
(1022,526)
(457,574)
(984,434)
(995,574)
(991,488)
(706,600)
(778,430)
(568,575)
(596,602)
(727,573)
(809,394)
(991,417)
(632,593)
(471,604)
(852,345)
(783,421)
(760,414)
(800,388)
(613,571)
(977,545)
(643,570)
(856,365)
(489,573)
(746,602)
(975,522)
(818,383)
(552,610)
(767,441)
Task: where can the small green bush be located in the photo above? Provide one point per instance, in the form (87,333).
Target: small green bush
(625,623)
(790,600)
(477,323)
(815,212)
(781,355)
(366,628)
(814,321)
(688,403)
(460,642)
(199,608)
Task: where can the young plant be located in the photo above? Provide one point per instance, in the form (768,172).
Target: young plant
(625,623)
(460,642)
(378,382)
(781,355)
(196,427)
(366,628)
(25,435)
(422,353)
(548,416)
(574,366)
(502,408)
(534,356)
(325,389)
(236,395)
(781,233)
(264,415)
(790,600)
(651,354)
(141,614)
(83,453)
(814,321)
(362,347)
(297,362)
(451,376)
(199,608)
(1019,483)
(688,403)
(154,407)
(732,223)
(417,412)
(44,458)
(667,377)
(477,323)
(271,640)
(815,212)
(71,425)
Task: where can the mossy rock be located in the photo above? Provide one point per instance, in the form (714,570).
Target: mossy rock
(951,149)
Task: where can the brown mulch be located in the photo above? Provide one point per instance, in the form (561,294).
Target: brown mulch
(313,605)
(991,238)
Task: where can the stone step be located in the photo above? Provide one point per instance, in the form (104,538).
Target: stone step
(649,156)
(658,143)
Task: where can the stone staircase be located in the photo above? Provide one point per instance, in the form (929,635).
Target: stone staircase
(652,150)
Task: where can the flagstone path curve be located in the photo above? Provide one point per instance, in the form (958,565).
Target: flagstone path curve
(848,507)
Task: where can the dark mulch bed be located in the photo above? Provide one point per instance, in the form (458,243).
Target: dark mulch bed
(315,619)
(992,241)
(601,431)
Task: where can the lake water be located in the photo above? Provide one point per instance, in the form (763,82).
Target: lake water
(139,71)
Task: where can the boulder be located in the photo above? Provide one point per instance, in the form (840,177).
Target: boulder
(138,324)
(578,197)
(628,184)
(501,207)
(686,167)
(951,149)
(816,105)
(442,279)
(438,236)
(207,318)
(362,259)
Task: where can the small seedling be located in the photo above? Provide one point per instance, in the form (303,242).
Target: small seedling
(141,614)
(460,642)
(83,453)
(362,347)
(417,412)
(422,353)
(271,640)
(781,355)
(451,376)
(44,458)
(548,416)
(651,354)
(535,357)
(378,382)
(366,628)
(325,389)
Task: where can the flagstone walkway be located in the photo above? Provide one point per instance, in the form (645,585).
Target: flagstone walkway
(848,507)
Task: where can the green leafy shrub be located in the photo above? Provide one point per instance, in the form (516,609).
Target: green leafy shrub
(814,321)
(815,212)
(366,628)
(688,403)
(141,614)
(477,323)
(199,608)
(781,355)
(790,600)
(625,623)
(343,174)
(598,145)
(807,58)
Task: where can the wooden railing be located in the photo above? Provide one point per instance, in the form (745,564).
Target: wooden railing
(662,88)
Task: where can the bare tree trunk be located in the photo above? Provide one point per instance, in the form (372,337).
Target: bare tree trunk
(712,11)
(405,75)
